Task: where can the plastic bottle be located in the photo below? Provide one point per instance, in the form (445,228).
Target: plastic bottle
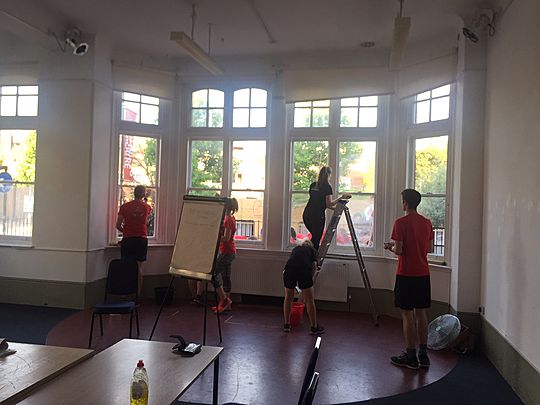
(139,385)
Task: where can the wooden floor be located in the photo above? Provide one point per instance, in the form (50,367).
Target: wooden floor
(263,365)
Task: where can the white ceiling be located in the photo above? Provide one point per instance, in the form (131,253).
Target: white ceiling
(142,27)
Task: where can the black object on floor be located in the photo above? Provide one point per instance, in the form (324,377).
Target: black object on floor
(29,324)
(473,381)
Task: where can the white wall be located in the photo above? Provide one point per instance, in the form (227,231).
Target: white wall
(510,274)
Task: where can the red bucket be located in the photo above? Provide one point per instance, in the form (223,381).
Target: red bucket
(297,310)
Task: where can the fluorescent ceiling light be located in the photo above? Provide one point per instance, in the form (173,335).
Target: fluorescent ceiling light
(196,52)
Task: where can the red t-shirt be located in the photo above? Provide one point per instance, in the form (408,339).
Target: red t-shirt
(416,233)
(229,246)
(135,214)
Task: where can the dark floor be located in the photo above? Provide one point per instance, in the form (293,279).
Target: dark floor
(263,365)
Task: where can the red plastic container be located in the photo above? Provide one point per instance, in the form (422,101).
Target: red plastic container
(297,310)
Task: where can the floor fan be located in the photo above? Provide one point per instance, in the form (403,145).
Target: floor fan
(442,331)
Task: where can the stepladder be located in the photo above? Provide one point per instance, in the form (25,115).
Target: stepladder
(339,210)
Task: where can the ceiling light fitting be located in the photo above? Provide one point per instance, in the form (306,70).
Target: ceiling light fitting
(194,50)
(402,25)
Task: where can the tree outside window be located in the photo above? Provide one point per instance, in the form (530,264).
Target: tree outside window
(17,177)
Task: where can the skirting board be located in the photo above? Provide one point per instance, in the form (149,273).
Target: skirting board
(516,370)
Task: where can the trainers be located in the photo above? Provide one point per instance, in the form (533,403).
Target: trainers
(287,327)
(404,360)
(423,360)
(316,330)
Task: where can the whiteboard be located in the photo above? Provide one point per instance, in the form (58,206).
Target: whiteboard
(197,238)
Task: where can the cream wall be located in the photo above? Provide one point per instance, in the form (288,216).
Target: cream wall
(510,273)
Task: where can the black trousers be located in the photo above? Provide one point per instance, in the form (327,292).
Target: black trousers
(315,225)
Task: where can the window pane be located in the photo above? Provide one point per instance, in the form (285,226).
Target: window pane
(368,117)
(349,102)
(205,193)
(240,117)
(434,209)
(308,158)
(206,164)
(303,104)
(321,103)
(9,90)
(302,117)
(27,106)
(321,117)
(199,98)
(130,111)
(258,98)
(149,114)
(216,98)
(249,165)
(139,155)
(430,165)
(257,118)
(28,90)
(198,118)
(8,106)
(131,97)
(298,203)
(369,101)
(241,98)
(357,167)
(216,118)
(440,108)
(150,100)
(249,218)
(422,112)
(349,117)
(441,91)
(423,96)
(362,215)
(18,156)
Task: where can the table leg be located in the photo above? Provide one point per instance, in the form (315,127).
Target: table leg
(216,380)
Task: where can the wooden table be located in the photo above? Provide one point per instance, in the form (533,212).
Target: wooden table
(106,377)
(32,366)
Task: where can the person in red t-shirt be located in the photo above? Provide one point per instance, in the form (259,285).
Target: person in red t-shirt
(412,241)
(132,222)
(227,253)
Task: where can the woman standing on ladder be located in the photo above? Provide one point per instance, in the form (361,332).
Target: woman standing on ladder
(320,198)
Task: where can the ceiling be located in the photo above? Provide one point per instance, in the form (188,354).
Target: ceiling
(142,27)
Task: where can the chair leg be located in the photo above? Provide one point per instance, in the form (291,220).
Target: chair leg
(137,319)
(101,324)
(130,323)
(91,330)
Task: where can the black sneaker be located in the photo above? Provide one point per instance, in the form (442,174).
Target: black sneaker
(287,327)
(316,330)
(404,360)
(423,360)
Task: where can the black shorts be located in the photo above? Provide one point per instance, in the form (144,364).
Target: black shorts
(300,276)
(412,292)
(134,248)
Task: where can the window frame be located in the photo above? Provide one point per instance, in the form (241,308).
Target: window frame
(250,108)
(17,116)
(228,134)
(131,128)
(335,134)
(433,129)
(28,123)
(207,108)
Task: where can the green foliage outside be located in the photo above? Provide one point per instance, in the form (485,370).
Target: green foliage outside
(309,157)
(206,164)
(150,159)
(26,169)
(430,178)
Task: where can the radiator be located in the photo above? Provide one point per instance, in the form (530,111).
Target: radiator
(264,276)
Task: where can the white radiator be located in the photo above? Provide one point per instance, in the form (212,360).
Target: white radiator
(263,275)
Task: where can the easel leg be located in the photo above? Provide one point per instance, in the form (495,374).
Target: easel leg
(218,316)
(161,308)
(205,311)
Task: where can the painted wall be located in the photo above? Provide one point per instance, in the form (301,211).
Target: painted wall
(510,276)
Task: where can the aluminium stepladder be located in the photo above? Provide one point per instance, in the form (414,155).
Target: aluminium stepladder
(340,208)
